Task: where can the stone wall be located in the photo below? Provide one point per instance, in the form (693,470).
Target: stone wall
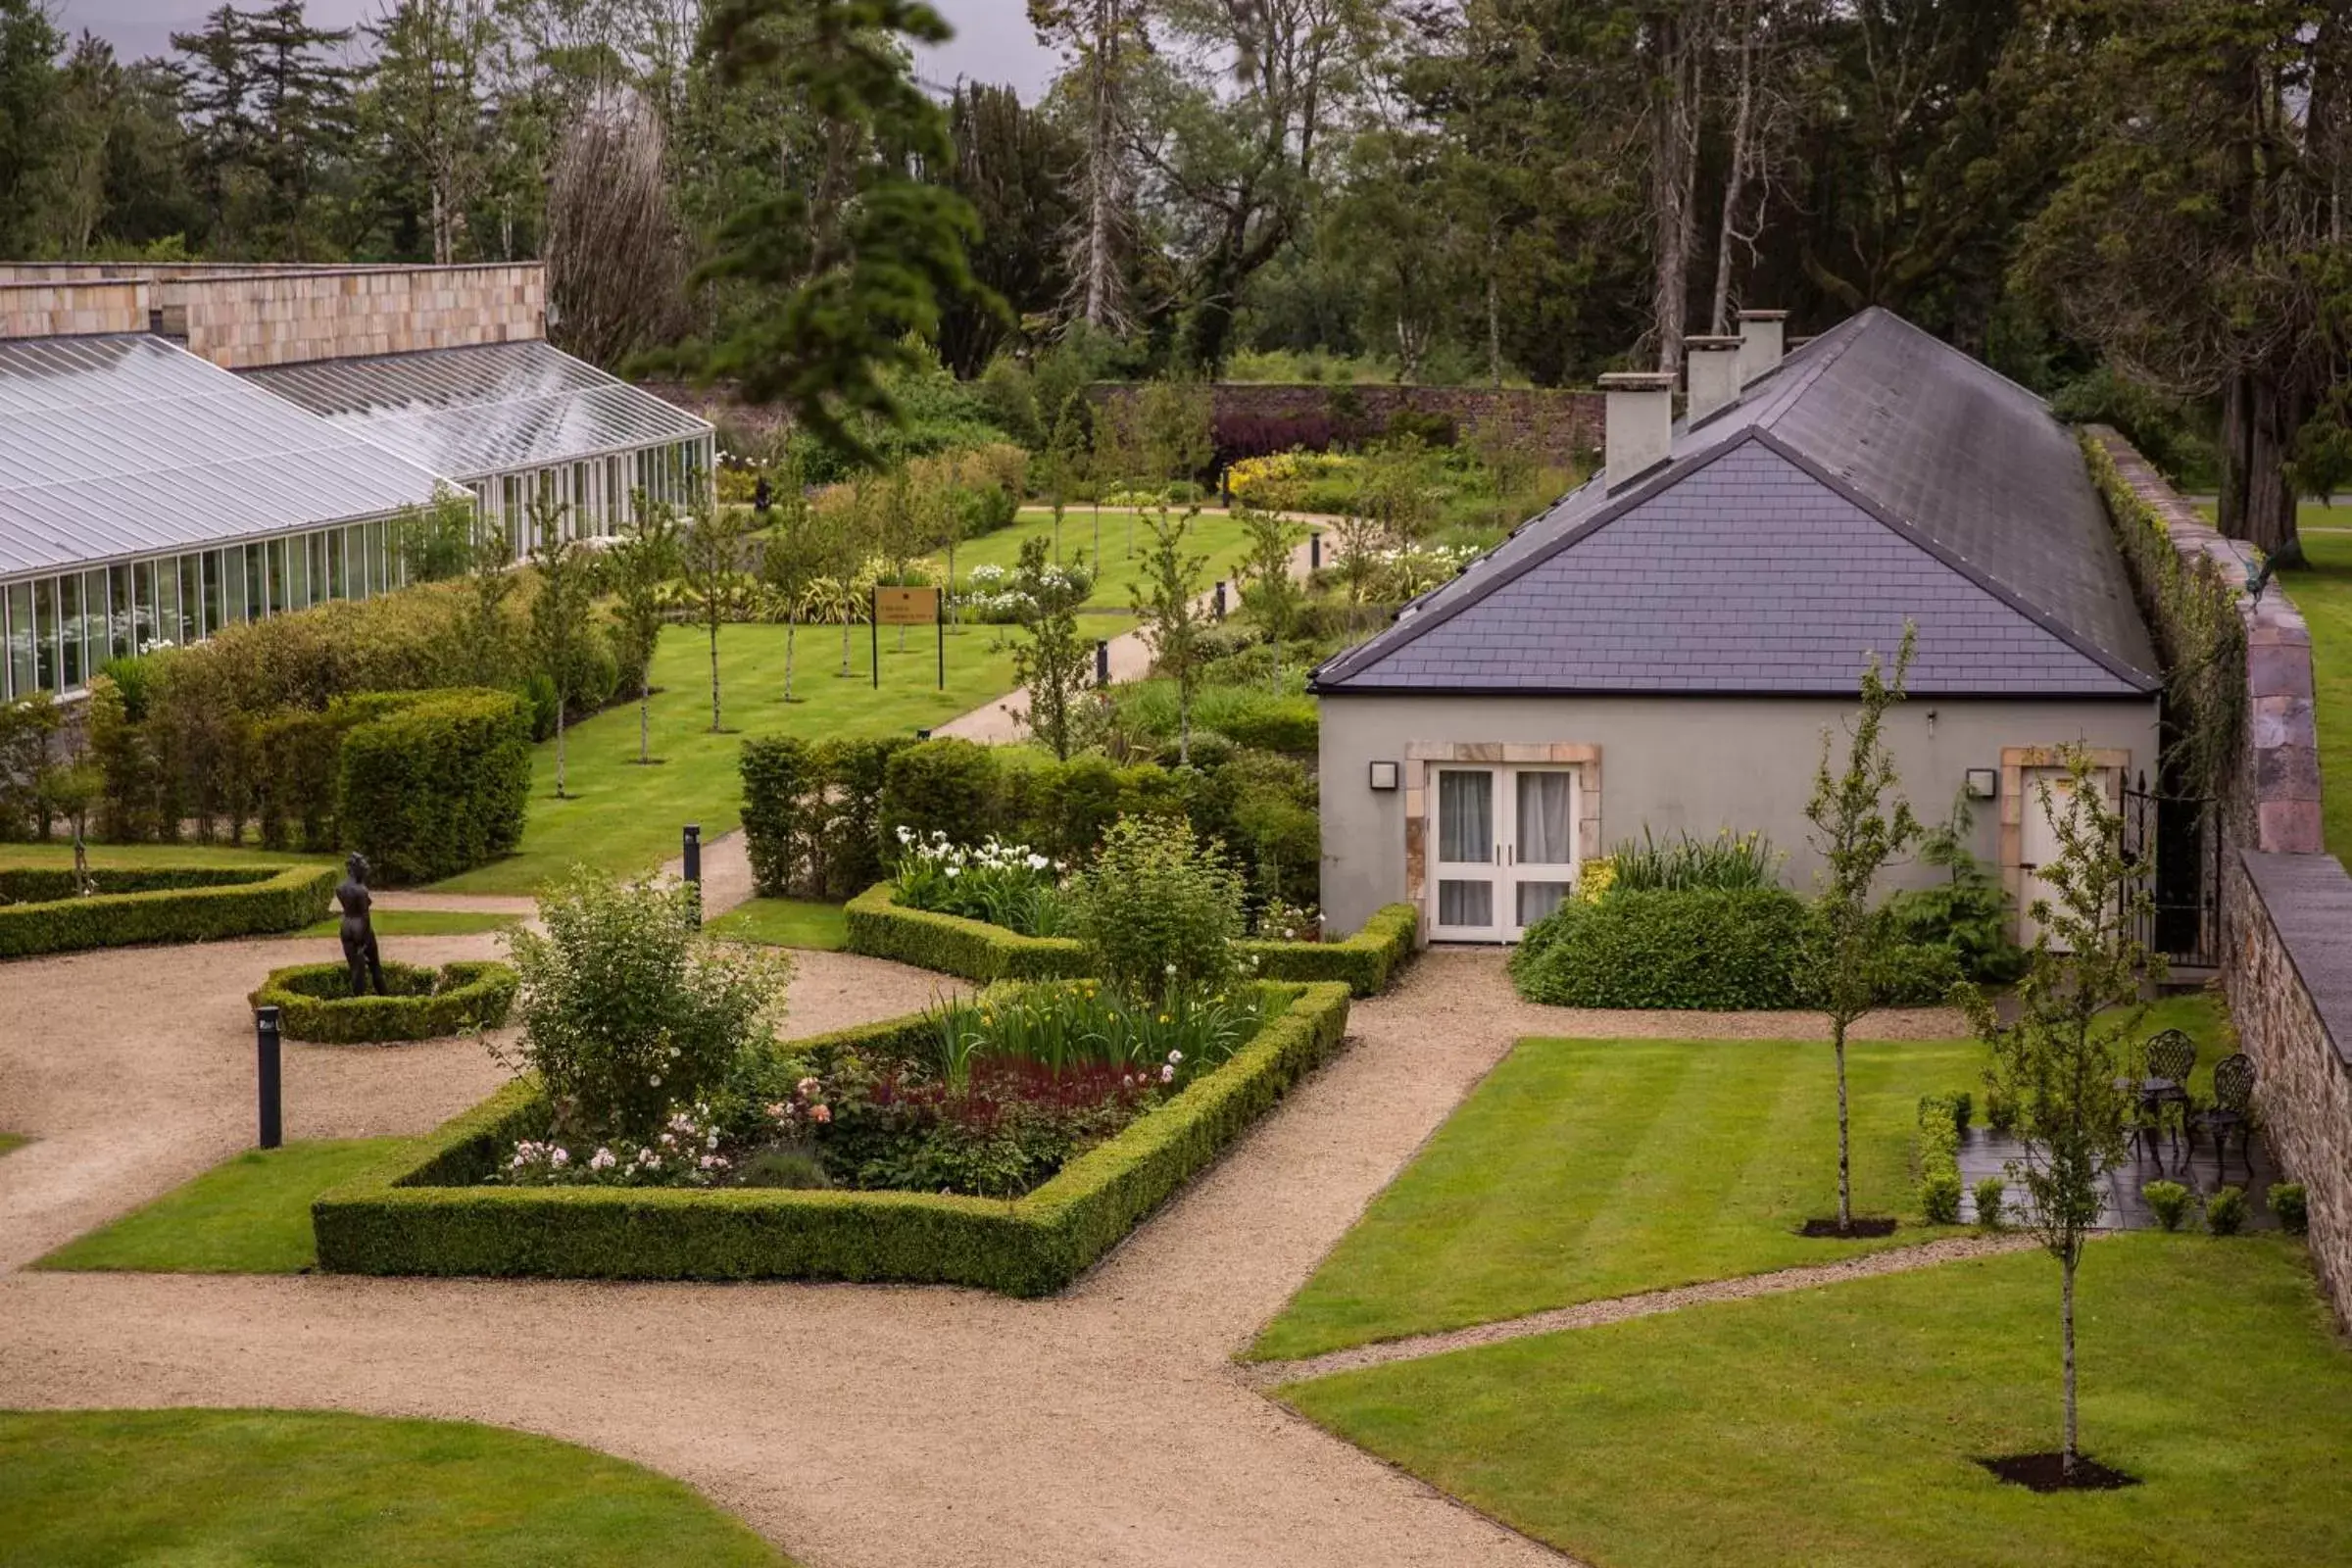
(1563,423)
(61,310)
(2285,903)
(242,317)
(2289,968)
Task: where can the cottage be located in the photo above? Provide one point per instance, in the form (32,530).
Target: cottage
(1666,646)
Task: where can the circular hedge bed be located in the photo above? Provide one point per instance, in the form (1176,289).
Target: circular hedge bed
(314,1004)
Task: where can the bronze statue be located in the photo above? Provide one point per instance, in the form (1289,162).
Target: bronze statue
(359,932)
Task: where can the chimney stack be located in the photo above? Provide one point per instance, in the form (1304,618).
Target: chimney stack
(1638,434)
(1712,366)
(1761,335)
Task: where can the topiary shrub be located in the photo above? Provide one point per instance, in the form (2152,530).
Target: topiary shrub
(1940,1160)
(2225,1211)
(947,786)
(1710,950)
(314,1004)
(2293,1208)
(1991,1194)
(433,783)
(2168,1202)
(39,914)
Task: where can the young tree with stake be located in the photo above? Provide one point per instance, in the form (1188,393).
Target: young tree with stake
(559,611)
(711,558)
(640,567)
(1857,833)
(792,562)
(1268,590)
(1054,664)
(2072,1057)
(1167,602)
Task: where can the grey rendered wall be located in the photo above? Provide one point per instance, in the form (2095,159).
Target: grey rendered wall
(1694,764)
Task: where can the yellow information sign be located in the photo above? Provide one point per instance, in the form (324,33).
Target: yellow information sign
(905,607)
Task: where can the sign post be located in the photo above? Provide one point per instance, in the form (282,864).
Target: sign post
(911,607)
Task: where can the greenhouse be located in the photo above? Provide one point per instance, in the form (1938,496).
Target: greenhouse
(513,422)
(148,496)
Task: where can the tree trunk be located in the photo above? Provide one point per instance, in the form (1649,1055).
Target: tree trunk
(2066,1329)
(1845,1163)
(846,628)
(2260,420)
(559,743)
(1735,177)
(715,725)
(791,625)
(1184,726)
(645,722)
(1494,310)
(1673,175)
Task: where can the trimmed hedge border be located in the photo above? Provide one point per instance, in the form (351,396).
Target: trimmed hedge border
(407,1216)
(192,904)
(1940,1119)
(975,950)
(453,1000)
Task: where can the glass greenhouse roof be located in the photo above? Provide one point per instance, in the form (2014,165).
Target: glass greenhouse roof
(124,446)
(483,409)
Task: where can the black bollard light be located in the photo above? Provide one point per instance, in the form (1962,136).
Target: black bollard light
(266,1074)
(1220,602)
(694,866)
(1314,550)
(1101,663)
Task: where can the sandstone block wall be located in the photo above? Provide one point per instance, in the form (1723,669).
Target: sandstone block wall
(65,309)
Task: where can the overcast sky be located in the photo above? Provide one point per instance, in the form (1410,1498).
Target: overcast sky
(992,41)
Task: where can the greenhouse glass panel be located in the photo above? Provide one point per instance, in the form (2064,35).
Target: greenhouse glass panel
(216,594)
(23,668)
(44,634)
(256,581)
(123,617)
(68,633)
(94,638)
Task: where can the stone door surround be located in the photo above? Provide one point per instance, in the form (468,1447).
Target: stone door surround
(1419,754)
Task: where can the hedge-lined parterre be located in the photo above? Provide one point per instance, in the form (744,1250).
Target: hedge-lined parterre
(160,904)
(314,1004)
(420,1212)
(880,927)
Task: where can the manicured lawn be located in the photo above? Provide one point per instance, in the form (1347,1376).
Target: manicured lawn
(138,856)
(248,1215)
(1586,1169)
(419,923)
(1583,1169)
(626,819)
(2323,591)
(277,1488)
(785,923)
(1212,534)
(1840,1425)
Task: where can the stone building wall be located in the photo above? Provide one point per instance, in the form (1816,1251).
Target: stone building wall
(2290,993)
(65,309)
(2285,903)
(241,317)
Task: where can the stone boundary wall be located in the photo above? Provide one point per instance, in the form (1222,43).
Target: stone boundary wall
(2285,903)
(244,317)
(64,310)
(2290,974)
(2274,804)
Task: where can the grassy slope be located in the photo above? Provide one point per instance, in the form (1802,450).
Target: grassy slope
(2323,593)
(1840,1425)
(285,1488)
(626,818)
(1586,1169)
(251,1214)
(785,923)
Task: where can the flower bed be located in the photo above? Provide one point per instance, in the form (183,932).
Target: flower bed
(314,1004)
(428,1210)
(882,928)
(163,903)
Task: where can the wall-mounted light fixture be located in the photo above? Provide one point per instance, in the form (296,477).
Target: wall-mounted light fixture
(1984,783)
(1383,775)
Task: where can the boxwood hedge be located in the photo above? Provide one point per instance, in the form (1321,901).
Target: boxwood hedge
(161,903)
(416,1213)
(881,929)
(314,1004)
(433,783)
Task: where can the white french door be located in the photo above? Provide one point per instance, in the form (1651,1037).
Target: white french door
(1505,850)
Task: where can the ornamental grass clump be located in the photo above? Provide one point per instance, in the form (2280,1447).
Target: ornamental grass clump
(628,1013)
(1010,884)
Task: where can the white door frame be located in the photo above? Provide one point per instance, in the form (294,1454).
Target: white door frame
(1502,872)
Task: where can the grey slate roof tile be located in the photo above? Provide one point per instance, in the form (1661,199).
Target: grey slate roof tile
(1876,474)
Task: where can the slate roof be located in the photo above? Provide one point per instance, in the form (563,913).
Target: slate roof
(1876,474)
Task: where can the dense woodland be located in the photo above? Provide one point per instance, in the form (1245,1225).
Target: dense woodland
(2135,206)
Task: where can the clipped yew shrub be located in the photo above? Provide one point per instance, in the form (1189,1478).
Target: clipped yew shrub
(432,783)
(314,1004)
(1707,949)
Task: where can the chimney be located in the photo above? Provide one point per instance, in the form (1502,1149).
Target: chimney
(1761,334)
(1712,366)
(1638,434)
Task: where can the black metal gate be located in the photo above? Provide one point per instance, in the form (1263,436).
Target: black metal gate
(2172,845)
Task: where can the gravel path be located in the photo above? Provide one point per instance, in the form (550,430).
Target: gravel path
(861,1427)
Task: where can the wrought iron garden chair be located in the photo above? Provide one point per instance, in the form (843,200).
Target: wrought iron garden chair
(2232,1110)
(2164,1091)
